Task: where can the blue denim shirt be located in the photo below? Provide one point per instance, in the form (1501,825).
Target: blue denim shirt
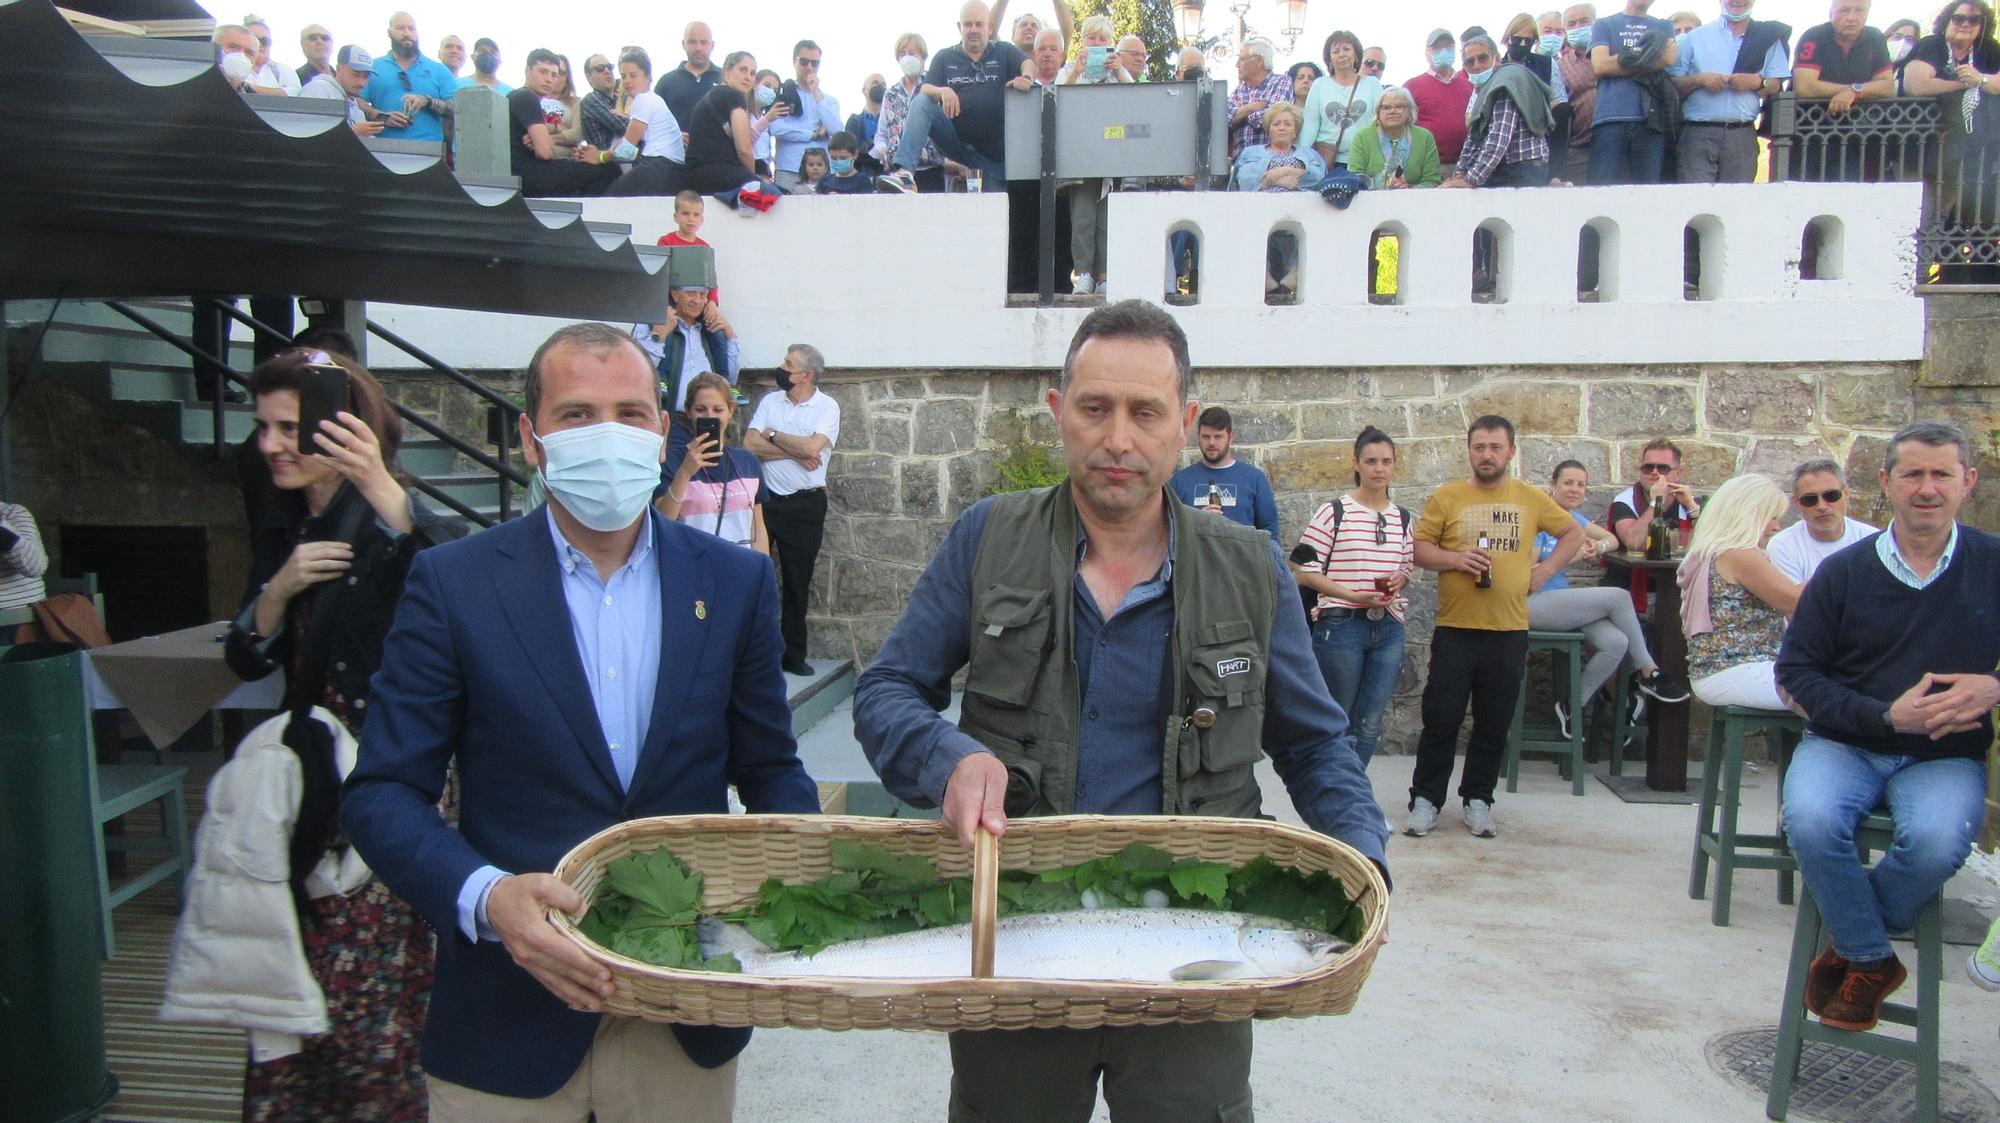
(914,749)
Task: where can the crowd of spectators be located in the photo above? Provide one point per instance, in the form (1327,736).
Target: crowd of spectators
(1566,97)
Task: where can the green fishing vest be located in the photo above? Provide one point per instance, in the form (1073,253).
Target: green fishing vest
(1021,693)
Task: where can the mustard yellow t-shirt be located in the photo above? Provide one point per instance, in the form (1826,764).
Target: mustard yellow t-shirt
(1508,515)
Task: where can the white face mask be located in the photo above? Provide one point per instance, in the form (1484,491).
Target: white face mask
(1899,48)
(236,66)
(603,474)
(912,65)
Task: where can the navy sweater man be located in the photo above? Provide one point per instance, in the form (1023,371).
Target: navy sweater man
(1892,656)
(1223,485)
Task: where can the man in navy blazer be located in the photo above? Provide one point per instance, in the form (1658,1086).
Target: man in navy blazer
(579,678)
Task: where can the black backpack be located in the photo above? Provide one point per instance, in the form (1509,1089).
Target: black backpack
(1305,555)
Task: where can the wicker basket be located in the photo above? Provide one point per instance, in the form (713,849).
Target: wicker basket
(737,853)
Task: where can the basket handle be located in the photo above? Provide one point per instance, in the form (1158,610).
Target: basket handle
(985,900)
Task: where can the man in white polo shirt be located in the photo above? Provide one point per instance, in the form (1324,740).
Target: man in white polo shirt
(793,432)
(1820,495)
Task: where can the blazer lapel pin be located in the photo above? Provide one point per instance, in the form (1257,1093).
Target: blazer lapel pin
(701,610)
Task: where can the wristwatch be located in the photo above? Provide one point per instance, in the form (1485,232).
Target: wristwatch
(1857,86)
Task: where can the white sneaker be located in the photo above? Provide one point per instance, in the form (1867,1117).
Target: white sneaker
(1085,284)
(1562,718)
(897,182)
(1423,818)
(1479,818)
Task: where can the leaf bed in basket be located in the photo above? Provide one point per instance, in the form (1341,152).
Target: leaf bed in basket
(736,855)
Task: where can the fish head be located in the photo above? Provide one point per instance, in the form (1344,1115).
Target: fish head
(1275,949)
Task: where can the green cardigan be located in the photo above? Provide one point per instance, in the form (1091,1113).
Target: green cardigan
(1422,170)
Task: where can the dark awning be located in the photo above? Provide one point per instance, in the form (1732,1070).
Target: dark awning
(139,171)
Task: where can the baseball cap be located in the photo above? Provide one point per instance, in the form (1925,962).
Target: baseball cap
(356,58)
(1436,34)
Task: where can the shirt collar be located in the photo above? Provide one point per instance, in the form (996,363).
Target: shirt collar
(571,559)
(1166,572)
(1891,553)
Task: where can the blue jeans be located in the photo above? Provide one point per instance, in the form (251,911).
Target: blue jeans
(927,124)
(1626,152)
(1360,659)
(1830,787)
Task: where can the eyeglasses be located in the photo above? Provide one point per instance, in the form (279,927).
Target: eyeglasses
(806,61)
(1382,528)
(1371,65)
(1810,500)
(1477,60)
(318,38)
(601,68)
(1965,19)
(1655,469)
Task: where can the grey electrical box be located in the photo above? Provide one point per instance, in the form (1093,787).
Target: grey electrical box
(1109,131)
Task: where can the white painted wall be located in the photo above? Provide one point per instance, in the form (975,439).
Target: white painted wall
(886,282)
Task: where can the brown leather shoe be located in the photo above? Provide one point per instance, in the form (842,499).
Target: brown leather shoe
(1823,978)
(1857,1005)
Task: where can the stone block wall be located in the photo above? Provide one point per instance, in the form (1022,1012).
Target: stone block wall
(918,447)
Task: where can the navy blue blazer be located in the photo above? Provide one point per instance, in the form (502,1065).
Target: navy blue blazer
(481,666)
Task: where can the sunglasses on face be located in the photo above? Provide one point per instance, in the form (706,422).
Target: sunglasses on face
(1965,19)
(1810,500)
(1655,469)
(320,38)
(806,61)
(601,68)
(1371,65)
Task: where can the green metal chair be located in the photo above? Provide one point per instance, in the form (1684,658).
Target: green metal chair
(1795,1027)
(1721,787)
(1523,737)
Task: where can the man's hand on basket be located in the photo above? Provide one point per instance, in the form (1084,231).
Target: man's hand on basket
(517,908)
(975,795)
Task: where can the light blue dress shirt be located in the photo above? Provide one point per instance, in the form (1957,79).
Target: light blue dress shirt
(794,135)
(1712,49)
(1892,558)
(616,625)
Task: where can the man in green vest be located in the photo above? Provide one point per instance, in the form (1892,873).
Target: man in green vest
(1125,656)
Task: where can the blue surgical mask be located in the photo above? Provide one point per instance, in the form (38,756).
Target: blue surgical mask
(1483,77)
(1579,37)
(765,96)
(840,166)
(603,474)
(1550,44)
(1441,58)
(1732,17)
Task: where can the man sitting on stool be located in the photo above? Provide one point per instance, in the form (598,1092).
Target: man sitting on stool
(1891,656)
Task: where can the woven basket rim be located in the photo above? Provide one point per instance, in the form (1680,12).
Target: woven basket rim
(1373,900)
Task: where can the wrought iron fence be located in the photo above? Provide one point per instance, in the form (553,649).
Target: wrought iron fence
(1908,139)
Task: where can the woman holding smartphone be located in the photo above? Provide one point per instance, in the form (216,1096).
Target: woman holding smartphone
(711,487)
(328,561)
(1365,550)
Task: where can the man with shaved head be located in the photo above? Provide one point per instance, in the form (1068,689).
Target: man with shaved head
(410,86)
(961,109)
(685,85)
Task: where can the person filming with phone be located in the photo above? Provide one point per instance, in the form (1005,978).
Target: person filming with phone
(708,486)
(328,561)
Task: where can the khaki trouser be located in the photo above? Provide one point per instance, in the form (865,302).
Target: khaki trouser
(1152,1074)
(635,1071)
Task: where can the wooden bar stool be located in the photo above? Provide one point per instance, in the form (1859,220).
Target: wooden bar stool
(1721,785)
(1795,1027)
(1568,650)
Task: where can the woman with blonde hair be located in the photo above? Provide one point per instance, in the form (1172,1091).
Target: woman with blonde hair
(1734,602)
(912,56)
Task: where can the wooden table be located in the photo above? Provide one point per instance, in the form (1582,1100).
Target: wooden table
(1667,727)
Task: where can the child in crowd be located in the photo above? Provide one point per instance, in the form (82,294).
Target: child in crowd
(841,152)
(687,229)
(812,169)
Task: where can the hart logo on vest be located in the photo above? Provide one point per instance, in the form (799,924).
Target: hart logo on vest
(1226,667)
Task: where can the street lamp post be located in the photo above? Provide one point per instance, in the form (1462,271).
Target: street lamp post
(1188,19)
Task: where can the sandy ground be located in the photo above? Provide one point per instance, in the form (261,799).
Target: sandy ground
(1557,972)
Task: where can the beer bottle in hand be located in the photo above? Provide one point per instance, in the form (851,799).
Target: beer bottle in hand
(1486,576)
(1659,533)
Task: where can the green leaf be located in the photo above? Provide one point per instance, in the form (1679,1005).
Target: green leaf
(665,947)
(1192,879)
(1140,856)
(893,872)
(658,882)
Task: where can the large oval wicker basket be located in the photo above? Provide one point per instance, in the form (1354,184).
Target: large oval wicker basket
(737,853)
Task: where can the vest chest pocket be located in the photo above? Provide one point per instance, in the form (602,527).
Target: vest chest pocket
(1010,640)
(1226,675)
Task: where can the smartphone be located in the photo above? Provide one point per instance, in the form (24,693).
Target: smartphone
(710,427)
(1093,62)
(323,392)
